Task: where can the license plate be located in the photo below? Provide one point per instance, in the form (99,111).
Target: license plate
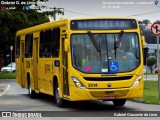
(109,97)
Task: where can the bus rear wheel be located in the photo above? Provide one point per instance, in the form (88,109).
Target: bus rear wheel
(59,101)
(119,102)
(31,92)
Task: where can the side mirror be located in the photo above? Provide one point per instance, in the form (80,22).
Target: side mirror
(66,45)
(145,54)
(143,40)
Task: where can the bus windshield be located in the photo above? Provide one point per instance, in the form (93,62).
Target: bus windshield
(109,59)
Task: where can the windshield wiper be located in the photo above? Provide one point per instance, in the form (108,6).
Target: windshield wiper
(117,42)
(95,44)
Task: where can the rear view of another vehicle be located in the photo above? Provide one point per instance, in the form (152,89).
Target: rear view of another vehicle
(9,68)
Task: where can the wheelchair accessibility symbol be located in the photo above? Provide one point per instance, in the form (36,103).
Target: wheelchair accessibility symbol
(113,66)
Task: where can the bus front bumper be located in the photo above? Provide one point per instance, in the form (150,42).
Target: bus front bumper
(77,94)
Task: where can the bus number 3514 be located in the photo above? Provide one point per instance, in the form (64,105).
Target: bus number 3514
(92,85)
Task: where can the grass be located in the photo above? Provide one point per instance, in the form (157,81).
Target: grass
(151,92)
(7,75)
(150,73)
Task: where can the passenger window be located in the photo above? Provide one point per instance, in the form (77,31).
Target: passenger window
(28,45)
(41,47)
(17,47)
(55,42)
(48,44)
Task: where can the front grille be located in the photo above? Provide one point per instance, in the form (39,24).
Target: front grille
(107,78)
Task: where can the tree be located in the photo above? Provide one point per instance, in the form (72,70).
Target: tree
(145,27)
(150,62)
(10,25)
(13,20)
(157,21)
(150,38)
(146,22)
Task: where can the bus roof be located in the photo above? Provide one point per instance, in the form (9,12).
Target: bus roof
(62,22)
(43,26)
(100,17)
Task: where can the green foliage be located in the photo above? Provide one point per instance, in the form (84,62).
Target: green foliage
(145,27)
(151,92)
(150,38)
(7,75)
(146,22)
(13,20)
(150,62)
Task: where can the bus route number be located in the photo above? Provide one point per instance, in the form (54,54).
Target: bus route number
(92,85)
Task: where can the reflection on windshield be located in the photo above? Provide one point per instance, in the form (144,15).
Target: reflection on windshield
(87,59)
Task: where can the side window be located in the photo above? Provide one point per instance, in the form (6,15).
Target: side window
(41,48)
(28,45)
(17,47)
(48,44)
(55,42)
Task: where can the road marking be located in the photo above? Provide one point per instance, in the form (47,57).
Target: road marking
(8,87)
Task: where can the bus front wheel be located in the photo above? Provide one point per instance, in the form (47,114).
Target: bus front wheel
(119,102)
(59,101)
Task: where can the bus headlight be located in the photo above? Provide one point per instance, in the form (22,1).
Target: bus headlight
(137,81)
(77,83)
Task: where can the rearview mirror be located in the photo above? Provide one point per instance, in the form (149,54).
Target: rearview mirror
(145,54)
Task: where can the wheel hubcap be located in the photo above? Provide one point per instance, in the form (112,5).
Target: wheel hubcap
(57,95)
(30,90)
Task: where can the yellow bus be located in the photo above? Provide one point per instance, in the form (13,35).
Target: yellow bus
(97,58)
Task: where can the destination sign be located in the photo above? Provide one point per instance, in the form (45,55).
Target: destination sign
(109,24)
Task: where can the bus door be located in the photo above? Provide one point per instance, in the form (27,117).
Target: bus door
(65,70)
(22,53)
(35,60)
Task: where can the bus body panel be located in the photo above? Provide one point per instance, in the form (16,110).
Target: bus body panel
(44,71)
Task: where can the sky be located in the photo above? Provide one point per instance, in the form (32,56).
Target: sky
(139,9)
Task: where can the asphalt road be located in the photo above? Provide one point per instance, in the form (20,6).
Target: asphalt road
(16,98)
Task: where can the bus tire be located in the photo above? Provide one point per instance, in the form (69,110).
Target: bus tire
(119,102)
(59,101)
(31,92)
